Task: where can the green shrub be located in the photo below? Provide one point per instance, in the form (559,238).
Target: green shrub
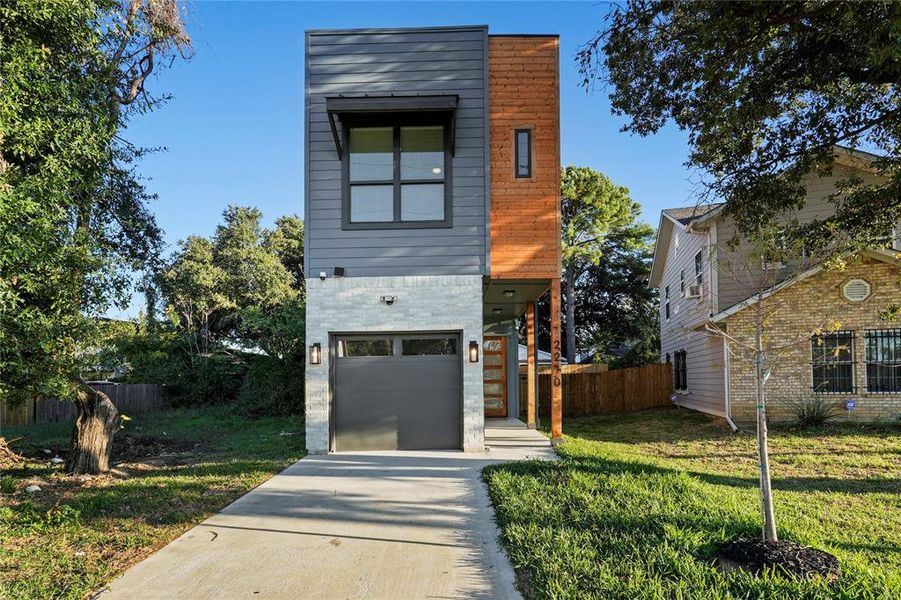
(812,410)
(210,379)
(272,387)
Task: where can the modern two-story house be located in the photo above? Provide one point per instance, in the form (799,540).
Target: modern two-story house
(432,223)
(837,342)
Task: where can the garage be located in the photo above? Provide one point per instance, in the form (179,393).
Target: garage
(397,392)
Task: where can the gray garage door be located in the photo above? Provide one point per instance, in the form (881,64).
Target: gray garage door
(397,392)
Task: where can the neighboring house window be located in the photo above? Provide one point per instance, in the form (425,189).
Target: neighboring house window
(699,268)
(883,360)
(832,362)
(680,370)
(523,144)
(666,302)
(682,282)
(396,176)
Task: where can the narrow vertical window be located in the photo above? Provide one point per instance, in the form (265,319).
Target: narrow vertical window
(666,301)
(699,269)
(682,282)
(523,144)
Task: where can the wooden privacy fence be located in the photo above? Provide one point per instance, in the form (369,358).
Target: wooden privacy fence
(129,398)
(606,392)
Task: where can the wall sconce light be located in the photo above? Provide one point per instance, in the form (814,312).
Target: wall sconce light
(473,351)
(497,311)
(315,354)
(509,293)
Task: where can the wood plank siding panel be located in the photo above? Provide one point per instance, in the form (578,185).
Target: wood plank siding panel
(704,353)
(449,60)
(524,93)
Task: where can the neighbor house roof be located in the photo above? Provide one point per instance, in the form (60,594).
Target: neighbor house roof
(543,357)
(891,257)
(687,214)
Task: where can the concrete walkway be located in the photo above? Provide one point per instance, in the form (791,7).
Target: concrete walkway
(363,525)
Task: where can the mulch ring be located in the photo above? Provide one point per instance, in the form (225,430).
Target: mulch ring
(755,555)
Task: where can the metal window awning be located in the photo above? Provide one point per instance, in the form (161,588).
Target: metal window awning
(341,106)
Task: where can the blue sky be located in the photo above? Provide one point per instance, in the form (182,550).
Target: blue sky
(233,131)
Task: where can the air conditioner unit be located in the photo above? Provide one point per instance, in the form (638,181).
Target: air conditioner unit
(695,291)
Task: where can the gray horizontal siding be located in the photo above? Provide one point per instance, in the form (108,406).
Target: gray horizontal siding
(397,62)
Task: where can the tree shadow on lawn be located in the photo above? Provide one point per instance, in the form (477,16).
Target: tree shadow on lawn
(872,485)
(165,496)
(681,425)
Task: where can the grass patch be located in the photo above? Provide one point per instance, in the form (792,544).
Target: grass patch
(172,469)
(638,504)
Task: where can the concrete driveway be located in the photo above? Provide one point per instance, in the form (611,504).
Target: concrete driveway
(363,525)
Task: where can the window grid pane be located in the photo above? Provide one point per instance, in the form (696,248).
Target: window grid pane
(371,154)
(883,358)
(422,202)
(422,153)
(371,203)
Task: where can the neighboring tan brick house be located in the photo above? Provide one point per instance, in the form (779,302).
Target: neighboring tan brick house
(857,357)
(432,185)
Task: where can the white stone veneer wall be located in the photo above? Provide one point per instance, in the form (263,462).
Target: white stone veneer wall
(423,303)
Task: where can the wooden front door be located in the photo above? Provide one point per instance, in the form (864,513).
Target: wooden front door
(494,375)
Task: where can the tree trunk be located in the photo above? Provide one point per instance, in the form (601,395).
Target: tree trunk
(570,317)
(766,490)
(92,436)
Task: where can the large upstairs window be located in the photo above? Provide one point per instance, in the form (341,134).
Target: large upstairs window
(396,175)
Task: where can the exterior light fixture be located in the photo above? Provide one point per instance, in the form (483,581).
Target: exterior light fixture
(509,293)
(315,354)
(436,170)
(473,351)
(497,311)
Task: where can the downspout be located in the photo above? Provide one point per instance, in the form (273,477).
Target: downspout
(726,379)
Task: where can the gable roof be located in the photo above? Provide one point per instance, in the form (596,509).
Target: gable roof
(687,214)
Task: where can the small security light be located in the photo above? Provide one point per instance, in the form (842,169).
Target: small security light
(437,170)
(473,351)
(497,311)
(509,293)
(322,275)
(315,354)
(389,300)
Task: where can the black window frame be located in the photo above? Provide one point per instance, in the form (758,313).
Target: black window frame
(396,121)
(824,365)
(516,132)
(883,377)
(682,282)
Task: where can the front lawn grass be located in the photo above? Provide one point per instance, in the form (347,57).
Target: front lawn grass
(638,504)
(172,469)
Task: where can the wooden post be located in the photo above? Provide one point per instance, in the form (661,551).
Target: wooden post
(556,374)
(530,364)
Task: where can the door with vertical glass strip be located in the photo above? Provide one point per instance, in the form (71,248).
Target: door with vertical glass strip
(494,375)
